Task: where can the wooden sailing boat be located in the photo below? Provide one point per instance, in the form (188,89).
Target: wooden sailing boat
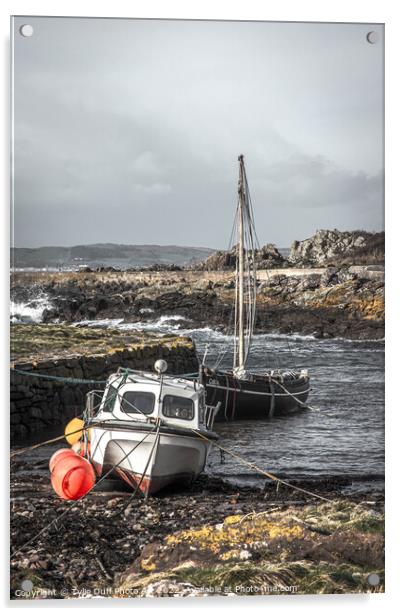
(244,394)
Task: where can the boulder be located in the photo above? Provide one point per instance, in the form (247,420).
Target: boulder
(333,247)
(265,258)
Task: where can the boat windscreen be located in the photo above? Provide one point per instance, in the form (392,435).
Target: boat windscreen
(179,407)
(138,402)
(111,397)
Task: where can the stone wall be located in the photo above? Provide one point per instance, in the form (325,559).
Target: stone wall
(38,404)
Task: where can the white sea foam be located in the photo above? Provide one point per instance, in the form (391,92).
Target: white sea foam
(178,323)
(29,312)
(163,323)
(292,336)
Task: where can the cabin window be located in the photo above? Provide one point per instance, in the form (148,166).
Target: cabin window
(176,406)
(138,402)
(111,397)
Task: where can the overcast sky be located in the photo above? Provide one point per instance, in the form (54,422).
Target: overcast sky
(128,131)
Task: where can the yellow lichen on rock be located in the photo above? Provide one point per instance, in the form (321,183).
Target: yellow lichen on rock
(230,555)
(329,547)
(233,519)
(367,304)
(370,307)
(147,564)
(234,534)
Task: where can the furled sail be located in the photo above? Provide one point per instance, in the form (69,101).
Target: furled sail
(245,273)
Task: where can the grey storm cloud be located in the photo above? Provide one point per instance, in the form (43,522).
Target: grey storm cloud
(317,182)
(128,131)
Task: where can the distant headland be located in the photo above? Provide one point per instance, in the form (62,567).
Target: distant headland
(325,248)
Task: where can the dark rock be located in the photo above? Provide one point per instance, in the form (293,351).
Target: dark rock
(266,257)
(332,247)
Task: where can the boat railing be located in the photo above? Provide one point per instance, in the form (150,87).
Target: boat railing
(93,401)
(210,414)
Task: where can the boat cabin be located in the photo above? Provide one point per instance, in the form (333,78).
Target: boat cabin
(144,397)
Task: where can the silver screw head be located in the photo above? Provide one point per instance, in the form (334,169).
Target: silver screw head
(372,37)
(373,579)
(26,30)
(27,585)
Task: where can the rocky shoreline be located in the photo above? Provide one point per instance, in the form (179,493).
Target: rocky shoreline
(328,302)
(216,539)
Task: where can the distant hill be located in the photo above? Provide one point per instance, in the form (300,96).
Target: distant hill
(106,255)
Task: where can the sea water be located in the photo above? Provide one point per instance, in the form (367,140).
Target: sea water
(342,434)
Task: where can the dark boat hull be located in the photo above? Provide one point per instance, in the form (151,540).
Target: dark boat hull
(258,397)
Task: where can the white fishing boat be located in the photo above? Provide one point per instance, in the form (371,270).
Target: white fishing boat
(151,429)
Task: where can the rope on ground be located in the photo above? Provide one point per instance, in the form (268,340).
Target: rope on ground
(260,470)
(73,503)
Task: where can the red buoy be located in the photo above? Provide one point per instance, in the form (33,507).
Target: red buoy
(72,477)
(60,454)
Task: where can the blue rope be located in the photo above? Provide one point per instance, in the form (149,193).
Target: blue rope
(58,378)
(82,381)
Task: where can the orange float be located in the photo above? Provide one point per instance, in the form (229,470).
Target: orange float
(72,477)
(74,430)
(60,454)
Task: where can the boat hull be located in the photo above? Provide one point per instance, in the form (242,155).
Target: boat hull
(258,398)
(147,461)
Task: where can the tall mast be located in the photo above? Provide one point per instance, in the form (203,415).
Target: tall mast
(241,203)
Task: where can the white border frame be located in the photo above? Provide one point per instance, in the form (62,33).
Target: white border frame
(367,11)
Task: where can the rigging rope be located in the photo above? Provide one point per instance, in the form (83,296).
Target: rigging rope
(70,505)
(260,470)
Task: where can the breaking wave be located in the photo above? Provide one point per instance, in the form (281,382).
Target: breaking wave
(29,312)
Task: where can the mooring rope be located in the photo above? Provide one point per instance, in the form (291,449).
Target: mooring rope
(84,428)
(303,404)
(76,381)
(63,379)
(72,503)
(260,470)
(123,378)
(138,485)
(50,441)
(18,452)
(242,460)
(64,435)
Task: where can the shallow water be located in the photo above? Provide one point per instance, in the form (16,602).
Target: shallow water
(342,435)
